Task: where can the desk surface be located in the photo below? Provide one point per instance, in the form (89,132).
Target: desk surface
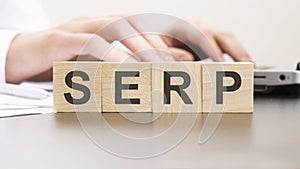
(270,137)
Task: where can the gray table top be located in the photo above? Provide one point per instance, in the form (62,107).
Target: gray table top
(268,138)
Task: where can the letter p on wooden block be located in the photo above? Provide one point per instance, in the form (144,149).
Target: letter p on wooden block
(227,87)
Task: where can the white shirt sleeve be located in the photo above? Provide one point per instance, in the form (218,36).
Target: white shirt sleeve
(18,16)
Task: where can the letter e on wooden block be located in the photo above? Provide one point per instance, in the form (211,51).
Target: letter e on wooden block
(176,87)
(227,87)
(77,86)
(126,87)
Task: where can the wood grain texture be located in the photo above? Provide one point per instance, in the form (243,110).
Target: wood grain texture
(150,89)
(93,70)
(143,92)
(239,101)
(176,105)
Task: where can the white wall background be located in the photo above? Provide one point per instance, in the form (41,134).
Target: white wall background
(269,29)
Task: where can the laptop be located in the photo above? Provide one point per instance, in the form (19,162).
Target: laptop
(268,80)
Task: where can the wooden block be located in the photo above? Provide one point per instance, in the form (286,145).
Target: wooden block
(167,77)
(223,91)
(116,97)
(175,87)
(68,98)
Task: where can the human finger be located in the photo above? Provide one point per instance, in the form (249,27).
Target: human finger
(181,54)
(230,45)
(158,43)
(96,46)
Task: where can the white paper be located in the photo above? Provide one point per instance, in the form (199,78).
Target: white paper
(15,106)
(42,85)
(18,112)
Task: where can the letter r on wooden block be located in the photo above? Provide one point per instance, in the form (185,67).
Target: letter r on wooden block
(126,87)
(228,87)
(77,86)
(176,87)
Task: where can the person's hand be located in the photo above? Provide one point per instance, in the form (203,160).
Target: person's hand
(30,56)
(222,42)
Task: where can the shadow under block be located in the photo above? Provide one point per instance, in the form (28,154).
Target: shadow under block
(85,73)
(135,99)
(176,87)
(231,96)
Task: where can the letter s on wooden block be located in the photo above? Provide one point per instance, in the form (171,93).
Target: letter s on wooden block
(228,87)
(77,86)
(176,87)
(126,87)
